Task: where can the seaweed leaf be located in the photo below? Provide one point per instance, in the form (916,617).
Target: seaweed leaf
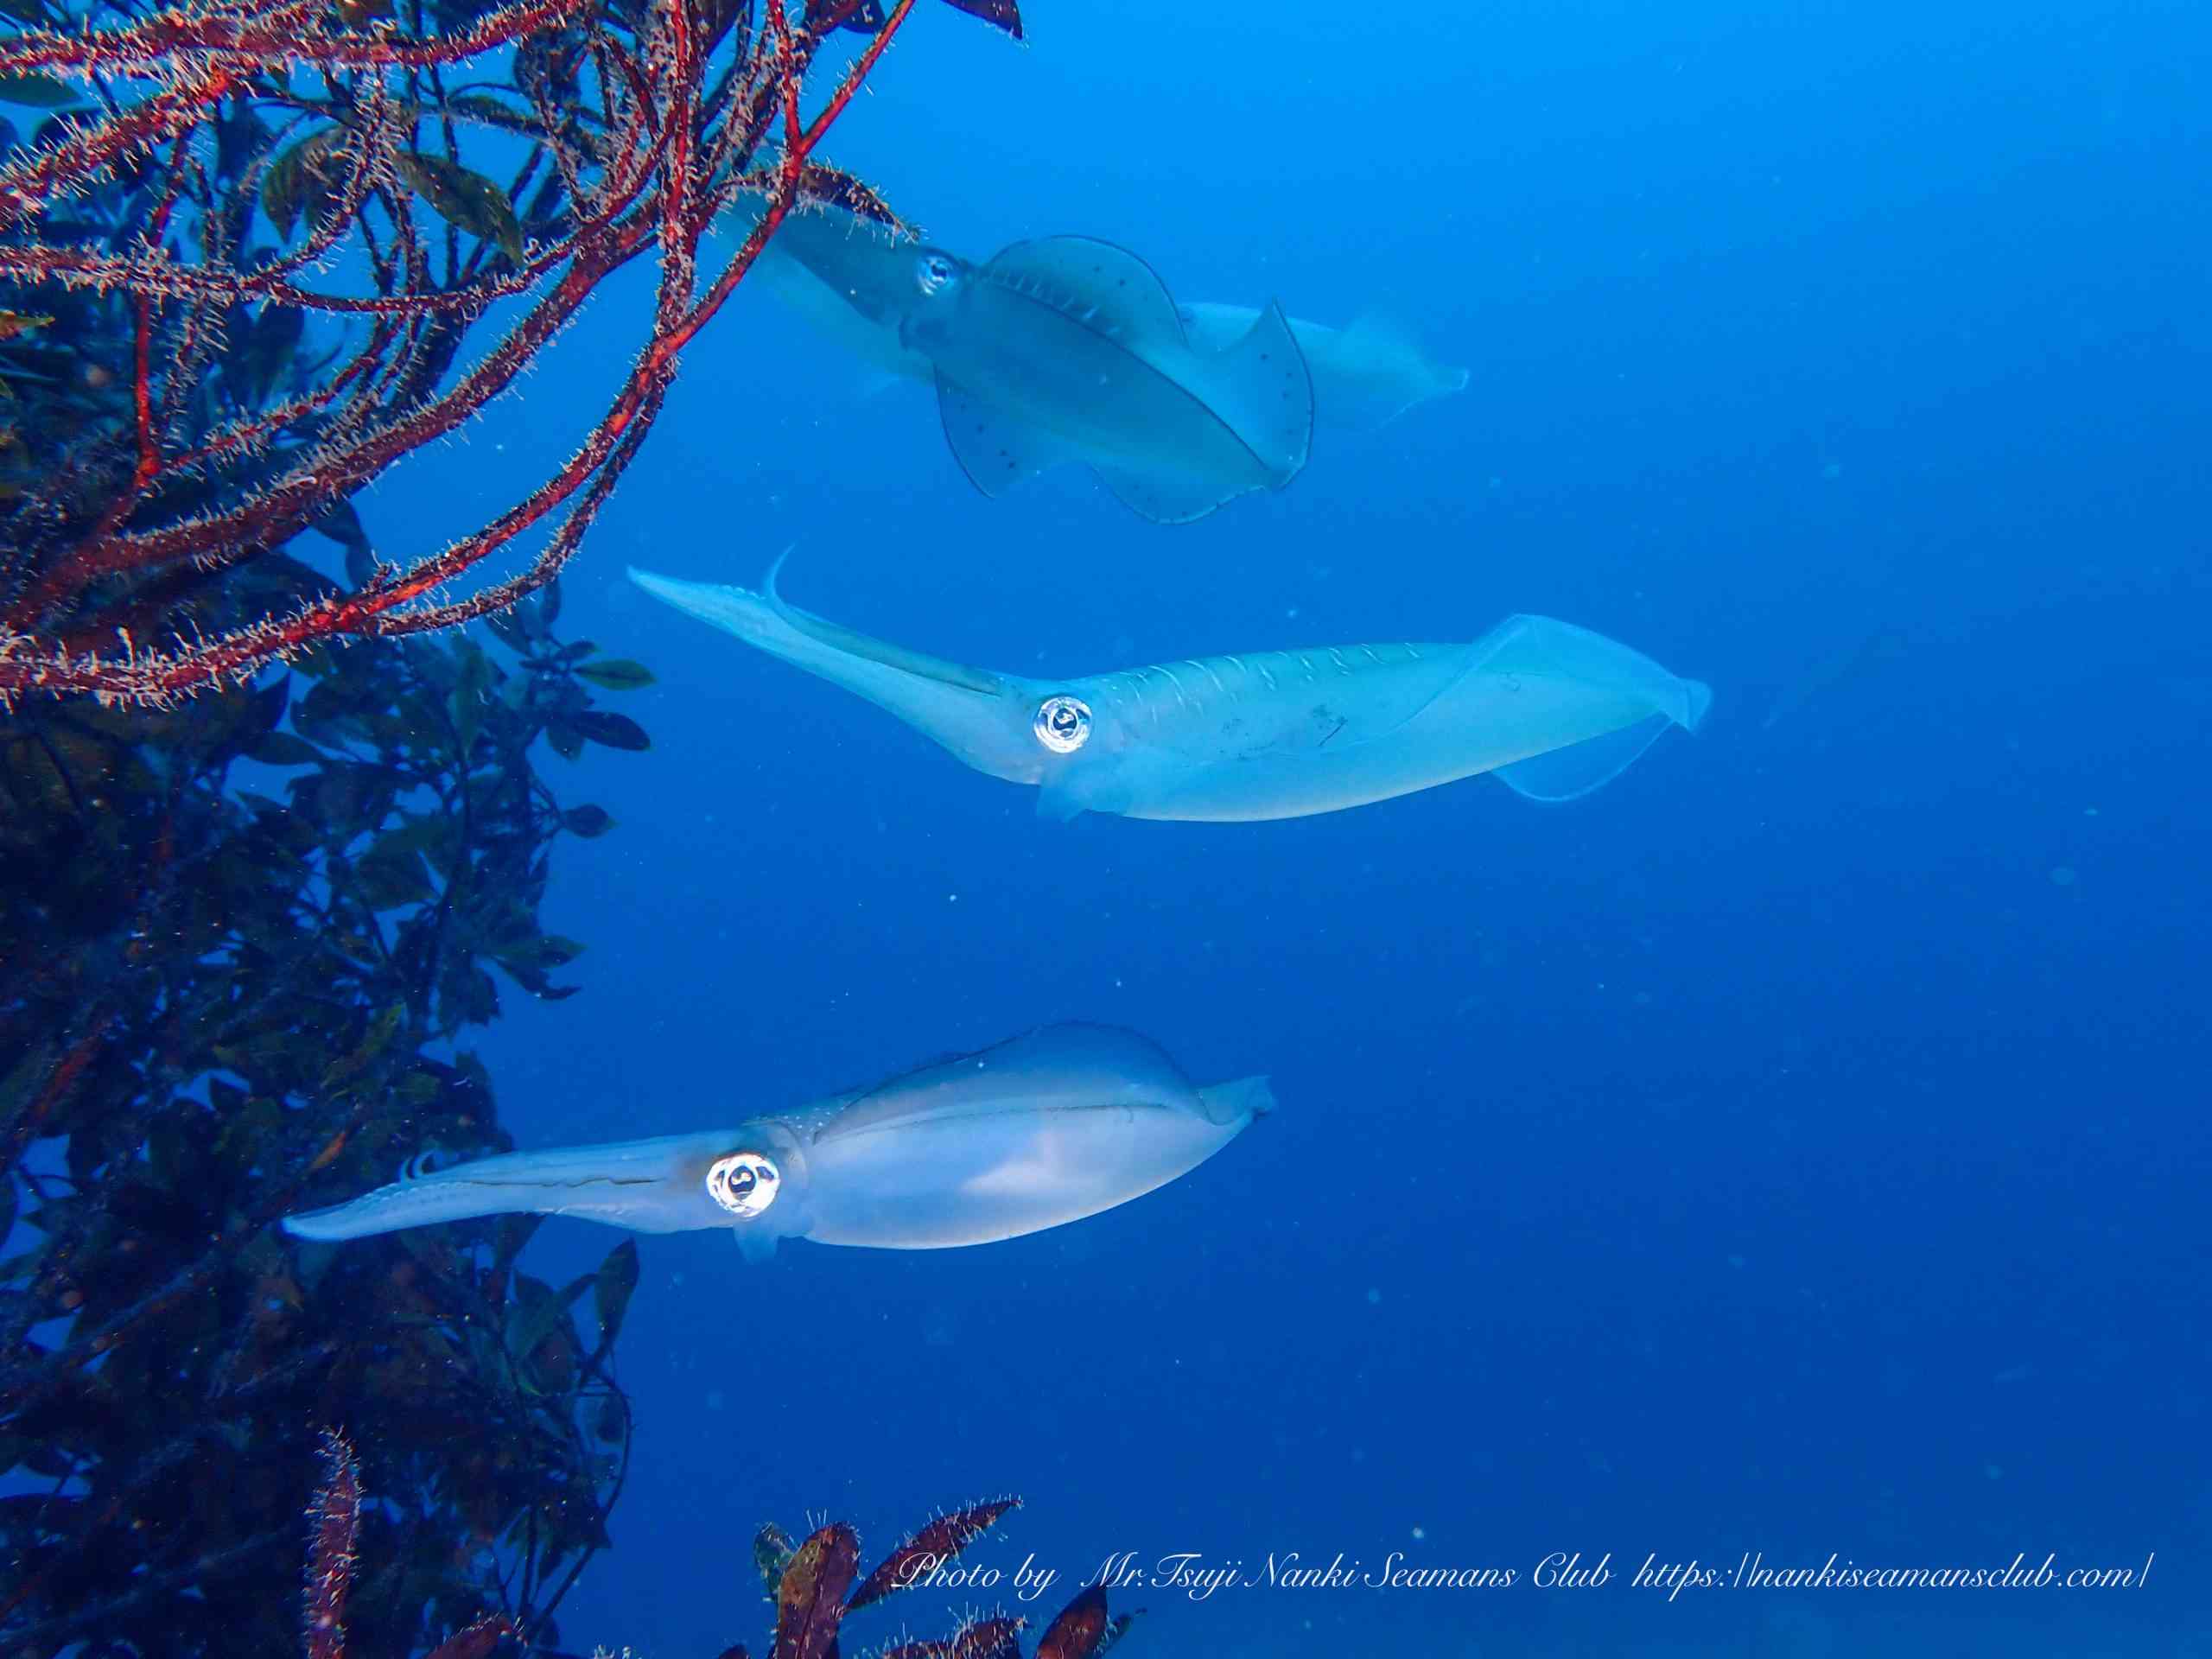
(259,359)
(39,92)
(1081,1627)
(343,526)
(810,1596)
(375,1041)
(391,873)
(999,14)
(467,701)
(1118,1628)
(282,749)
(615,731)
(616,673)
(508,629)
(983,1638)
(772,1552)
(612,1287)
(306,176)
(820,182)
(589,821)
(539,1313)
(934,1544)
(494,113)
(466,200)
(567,738)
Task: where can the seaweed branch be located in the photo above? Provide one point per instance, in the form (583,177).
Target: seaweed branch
(216,1005)
(175,207)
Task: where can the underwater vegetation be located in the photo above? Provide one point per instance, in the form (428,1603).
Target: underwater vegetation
(1553,711)
(239,940)
(334,1523)
(244,934)
(255,892)
(1042,1130)
(812,1585)
(192,379)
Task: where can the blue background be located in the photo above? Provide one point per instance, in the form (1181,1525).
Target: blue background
(1800,1145)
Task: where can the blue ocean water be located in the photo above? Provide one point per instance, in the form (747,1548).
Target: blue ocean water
(1798,1147)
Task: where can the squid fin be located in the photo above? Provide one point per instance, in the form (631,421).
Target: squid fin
(1568,774)
(1164,497)
(995,450)
(1225,1103)
(755,1245)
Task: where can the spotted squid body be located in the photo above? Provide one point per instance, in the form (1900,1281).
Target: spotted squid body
(1047,1128)
(1552,710)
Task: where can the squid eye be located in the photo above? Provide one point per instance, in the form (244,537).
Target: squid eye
(934,273)
(744,1183)
(1062,724)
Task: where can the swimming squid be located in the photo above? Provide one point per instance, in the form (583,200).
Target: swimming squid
(857,287)
(1551,710)
(1043,1129)
(1065,348)
(1069,348)
(1365,374)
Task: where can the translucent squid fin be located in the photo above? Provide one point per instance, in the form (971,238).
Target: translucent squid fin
(1068,1065)
(1569,773)
(756,1244)
(1105,287)
(1057,803)
(1081,789)
(1386,372)
(1227,1102)
(1165,497)
(995,450)
(1261,389)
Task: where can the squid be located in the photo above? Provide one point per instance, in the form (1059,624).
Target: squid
(1045,1128)
(1365,374)
(1551,710)
(859,289)
(1065,348)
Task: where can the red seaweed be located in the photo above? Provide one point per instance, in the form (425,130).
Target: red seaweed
(810,1599)
(95,610)
(932,1547)
(983,1638)
(806,1582)
(1076,1633)
(336,1517)
(476,1641)
(809,1586)
(336,1514)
